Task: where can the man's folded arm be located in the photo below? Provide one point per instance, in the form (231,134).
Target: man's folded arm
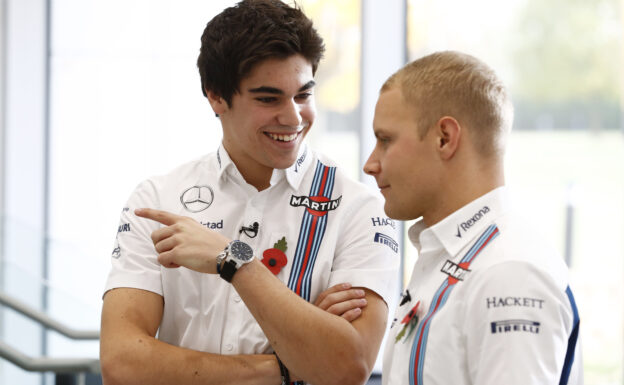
(130,353)
(317,346)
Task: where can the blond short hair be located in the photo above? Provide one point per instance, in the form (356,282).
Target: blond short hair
(455,84)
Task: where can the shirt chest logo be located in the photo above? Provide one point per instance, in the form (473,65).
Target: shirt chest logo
(197,198)
(456,272)
(316,205)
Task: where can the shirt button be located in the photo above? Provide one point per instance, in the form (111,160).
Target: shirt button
(237,299)
(229,347)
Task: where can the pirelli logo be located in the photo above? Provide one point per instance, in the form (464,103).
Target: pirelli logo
(388,241)
(515,325)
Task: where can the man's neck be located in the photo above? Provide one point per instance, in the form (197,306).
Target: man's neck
(462,190)
(252,172)
(259,178)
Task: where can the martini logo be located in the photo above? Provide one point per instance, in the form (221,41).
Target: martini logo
(454,271)
(318,206)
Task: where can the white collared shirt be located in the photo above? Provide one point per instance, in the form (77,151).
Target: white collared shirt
(494,305)
(335,231)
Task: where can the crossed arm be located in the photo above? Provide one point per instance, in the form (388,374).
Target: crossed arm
(314,342)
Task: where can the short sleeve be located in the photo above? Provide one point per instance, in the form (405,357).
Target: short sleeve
(134,259)
(518,323)
(367,254)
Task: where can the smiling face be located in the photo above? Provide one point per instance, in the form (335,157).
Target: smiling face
(404,165)
(268,119)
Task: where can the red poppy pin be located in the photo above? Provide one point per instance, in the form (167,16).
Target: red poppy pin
(274,259)
(410,320)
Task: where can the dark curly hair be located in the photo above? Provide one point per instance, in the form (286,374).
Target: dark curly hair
(241,36)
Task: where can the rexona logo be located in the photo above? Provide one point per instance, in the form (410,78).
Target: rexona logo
(301,159)
(468,224)
(317,206)
(515,325)
(454,271)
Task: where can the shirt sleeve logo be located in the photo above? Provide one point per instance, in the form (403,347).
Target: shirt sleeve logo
(379,221)
(494,302)
(123,228)
(515,325)
(387,240)
(197,198)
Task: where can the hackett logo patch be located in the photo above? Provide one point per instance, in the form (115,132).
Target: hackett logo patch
(318,205)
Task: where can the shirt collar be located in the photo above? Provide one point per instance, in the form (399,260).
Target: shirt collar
(224,162)
(294,174)
(454,232)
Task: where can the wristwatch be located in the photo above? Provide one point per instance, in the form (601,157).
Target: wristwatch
(235,255)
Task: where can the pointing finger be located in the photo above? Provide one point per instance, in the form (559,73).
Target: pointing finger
(164,217)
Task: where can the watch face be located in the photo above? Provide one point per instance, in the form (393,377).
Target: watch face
(241,250)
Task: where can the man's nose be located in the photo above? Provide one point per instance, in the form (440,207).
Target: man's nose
(290,114)
(372,166)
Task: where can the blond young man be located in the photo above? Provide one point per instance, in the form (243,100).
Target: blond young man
(488,301)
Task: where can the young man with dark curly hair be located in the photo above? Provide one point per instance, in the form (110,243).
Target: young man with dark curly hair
(263,246)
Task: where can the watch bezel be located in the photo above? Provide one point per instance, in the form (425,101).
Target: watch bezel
(236,254)
(240,251)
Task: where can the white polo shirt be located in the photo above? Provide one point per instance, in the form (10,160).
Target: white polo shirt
(494,305)
(335,231)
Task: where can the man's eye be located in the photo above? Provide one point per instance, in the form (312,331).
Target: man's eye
(303,96)
(267,99)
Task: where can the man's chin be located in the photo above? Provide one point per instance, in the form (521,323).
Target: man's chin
(397,213)
(283,164)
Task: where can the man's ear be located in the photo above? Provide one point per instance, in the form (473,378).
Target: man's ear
(449,132)
(218,104)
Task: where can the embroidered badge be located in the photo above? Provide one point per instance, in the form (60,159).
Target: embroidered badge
(409,321)
(274,259)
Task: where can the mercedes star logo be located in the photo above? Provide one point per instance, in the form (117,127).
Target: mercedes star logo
(197,198)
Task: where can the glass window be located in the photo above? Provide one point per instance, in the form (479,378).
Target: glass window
(126,104)
(338,77)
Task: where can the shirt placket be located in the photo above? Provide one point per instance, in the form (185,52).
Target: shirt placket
(252,212)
